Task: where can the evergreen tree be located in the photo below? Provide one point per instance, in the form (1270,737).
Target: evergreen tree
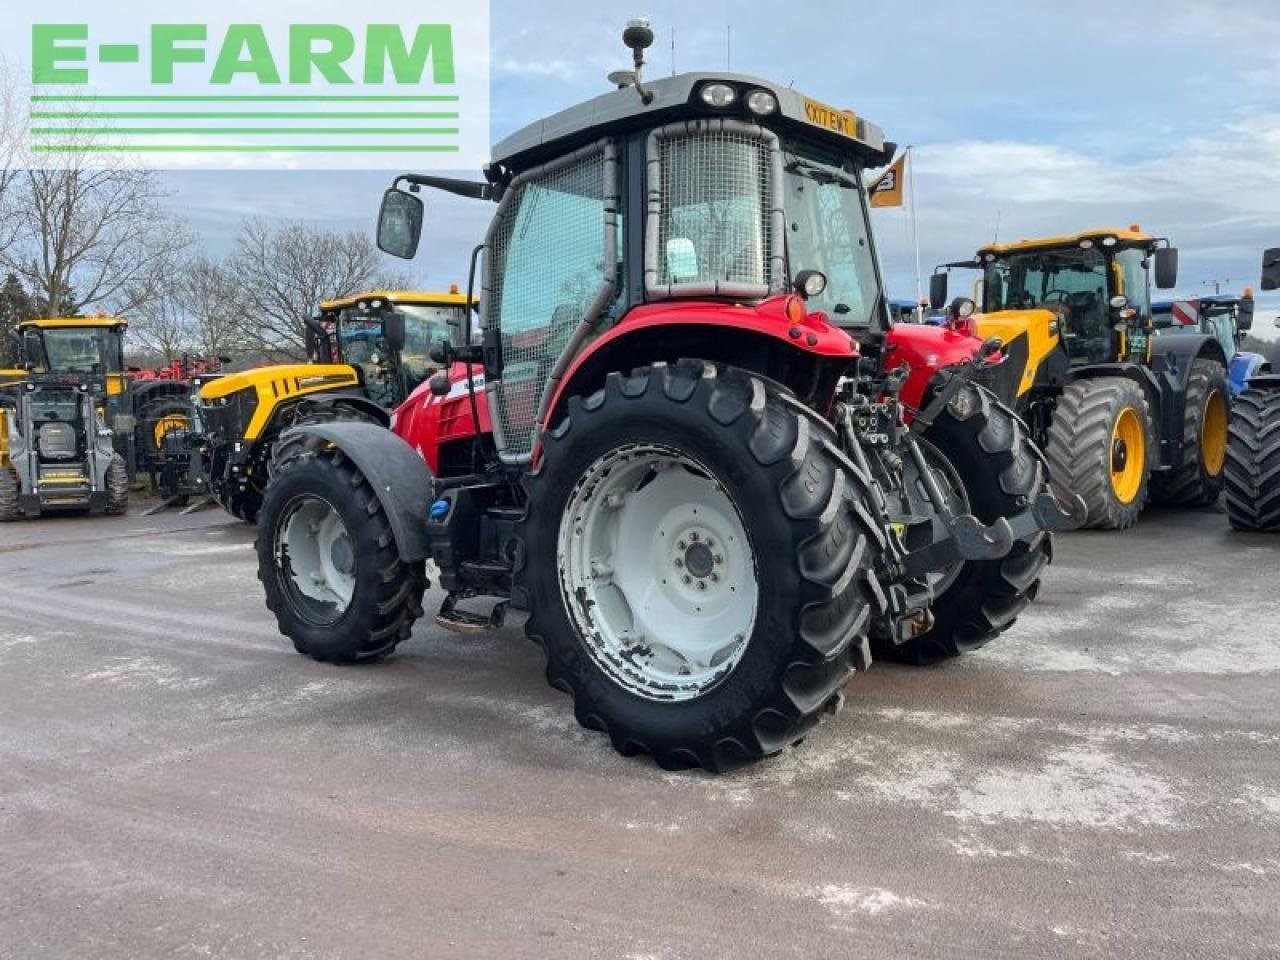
(16,305)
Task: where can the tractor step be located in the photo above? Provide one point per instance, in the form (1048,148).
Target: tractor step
(468,622)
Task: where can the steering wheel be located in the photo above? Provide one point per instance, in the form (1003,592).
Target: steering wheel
(1063,295)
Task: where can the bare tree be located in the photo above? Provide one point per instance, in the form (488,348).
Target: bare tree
(284,271)
(93,236)
(215,319)
(12,134)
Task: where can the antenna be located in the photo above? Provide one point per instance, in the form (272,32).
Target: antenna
(1217,284)
(673,51)
(728,47)
(996,236)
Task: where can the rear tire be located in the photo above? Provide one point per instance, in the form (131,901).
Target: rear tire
(1087,455)
(1002,473)
(386,595)
(1253,461)
(117,487)
(810,543)
(1198,482)
(9,509)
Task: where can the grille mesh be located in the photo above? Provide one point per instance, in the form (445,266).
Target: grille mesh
(716,188)
(547,253)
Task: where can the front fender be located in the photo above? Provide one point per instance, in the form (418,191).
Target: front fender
(1245,367)
(399,477)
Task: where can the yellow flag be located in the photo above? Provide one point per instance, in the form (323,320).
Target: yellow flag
(886,191)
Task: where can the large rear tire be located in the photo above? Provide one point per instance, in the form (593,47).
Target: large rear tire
(1253,461)
(1198,482)
(698,564)
(1000,473)
(117,487)
(329,564)
(1099,449)
(9,509)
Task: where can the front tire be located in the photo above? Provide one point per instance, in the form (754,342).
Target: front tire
(329,565)
(1099,449)
(1000,472)
(117,487)
(9,509)
(1198,482)
(1253,461)
(712,686)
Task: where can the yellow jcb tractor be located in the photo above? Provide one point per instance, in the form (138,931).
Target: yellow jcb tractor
(367,353)
(1120,413)
(59,414)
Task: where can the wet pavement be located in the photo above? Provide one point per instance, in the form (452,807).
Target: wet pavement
(1103,781)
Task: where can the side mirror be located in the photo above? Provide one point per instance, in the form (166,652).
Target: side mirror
(319,347)
(400,223)
(1244,316)
(1166,268)
(393,331)
(1271,269)
(33,350)
(937,291)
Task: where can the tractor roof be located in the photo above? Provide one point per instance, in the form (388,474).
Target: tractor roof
(1130,236)
(421,297)
(62,323)
(677,98)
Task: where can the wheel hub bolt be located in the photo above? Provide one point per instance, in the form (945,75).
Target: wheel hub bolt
(715,577)
(679,562)
(702,584)
(687,579)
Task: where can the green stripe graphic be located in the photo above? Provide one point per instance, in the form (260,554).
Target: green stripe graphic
(244,148)
(274,131)
(236,115)
(242,98)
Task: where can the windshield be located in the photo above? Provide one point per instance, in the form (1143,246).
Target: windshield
(425,325)
(75,350)
(827,231)
(1023,281)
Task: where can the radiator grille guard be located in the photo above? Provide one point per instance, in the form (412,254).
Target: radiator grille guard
(716,223)
(549,273)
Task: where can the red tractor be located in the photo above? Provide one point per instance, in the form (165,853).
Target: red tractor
(688,443)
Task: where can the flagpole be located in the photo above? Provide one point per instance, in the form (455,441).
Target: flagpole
(915,232)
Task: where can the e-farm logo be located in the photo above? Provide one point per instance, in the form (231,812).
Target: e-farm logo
(404,85)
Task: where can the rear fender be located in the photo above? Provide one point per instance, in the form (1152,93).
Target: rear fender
(399,477)
(807,356)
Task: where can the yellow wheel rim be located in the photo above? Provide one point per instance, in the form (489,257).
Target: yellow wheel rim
(1213,434)
(166,425)
(1128,455)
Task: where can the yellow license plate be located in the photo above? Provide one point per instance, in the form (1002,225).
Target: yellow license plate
(842,122)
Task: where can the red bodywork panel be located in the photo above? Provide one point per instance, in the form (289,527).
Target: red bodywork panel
(927,349)
(426,422)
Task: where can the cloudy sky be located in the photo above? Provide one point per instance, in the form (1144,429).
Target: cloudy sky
(1043,117)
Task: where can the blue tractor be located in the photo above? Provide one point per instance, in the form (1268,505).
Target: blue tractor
(1253,444)
(1227,318)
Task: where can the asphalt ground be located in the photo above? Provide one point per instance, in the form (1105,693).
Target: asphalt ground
(1103,781)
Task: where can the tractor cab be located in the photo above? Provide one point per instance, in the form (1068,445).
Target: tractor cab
(57,419)
(1227,318)
(703,202)
(389,336)
(1096,283)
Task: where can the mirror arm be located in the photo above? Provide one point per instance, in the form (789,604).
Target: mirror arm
(472,189)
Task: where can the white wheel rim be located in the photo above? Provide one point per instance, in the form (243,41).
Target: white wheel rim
(314,552)
(657,572)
